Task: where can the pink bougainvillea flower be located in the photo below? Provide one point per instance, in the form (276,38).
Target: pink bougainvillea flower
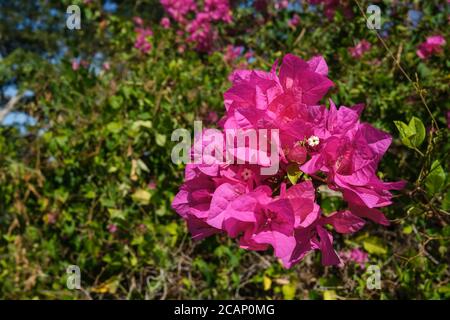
(212,117)
(344,221)
(331,6)
(275,221)
(331,145)
(218,10)
(304,81)
(359,49)
(138,21)
(51,218)
(349,153)
(249,55)
(201,32)
(356,255)
(258,98)
(165,23)
(432,45)
(281,4)
(181,48)
(232,53)
(106,66)
(112,228)
(152,185)
(274,225)
(75,64)
(142,42)
(294,21)
(192,203)
(302,199)
(314,237)
(221,213)
(178,9)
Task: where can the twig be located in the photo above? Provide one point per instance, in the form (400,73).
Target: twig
(9,106)
(299,38)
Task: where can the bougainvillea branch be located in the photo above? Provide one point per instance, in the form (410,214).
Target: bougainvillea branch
(277,210)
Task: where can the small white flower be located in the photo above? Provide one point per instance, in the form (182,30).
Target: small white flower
(313,141)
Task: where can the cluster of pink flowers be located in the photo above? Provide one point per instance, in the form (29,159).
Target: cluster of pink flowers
(165,23)
(356,255)
(235,56)
(432,45)
(281,4)
(112,228)
(359,49)
(201,29)
(325,145)
(330,7)
(142,34)
(294,21)
(178,9)
(232,53)
(76,63)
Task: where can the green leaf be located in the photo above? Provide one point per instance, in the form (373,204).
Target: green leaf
(141,123)
(374,245)
(116,102)
(405,133)
(412,134)
(416,126)
(424,71)
(293,173)
(267,283)
(446,201)
(116,214)
(160,139)
(329,295)
(114,127)
(407,229)
(436,178)
(141,196)
(289,291)
(141,164)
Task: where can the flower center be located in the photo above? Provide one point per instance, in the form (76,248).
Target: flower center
(269,216)
(313,141)
(246,174)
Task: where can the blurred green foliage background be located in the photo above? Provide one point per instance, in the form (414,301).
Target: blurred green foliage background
(89,181)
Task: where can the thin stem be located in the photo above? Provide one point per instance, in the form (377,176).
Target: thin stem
(318,178)
(420,152)
(10,106)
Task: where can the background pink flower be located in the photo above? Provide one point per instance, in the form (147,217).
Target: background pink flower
(432,45)
(359,49)
(356,255)
(142,42)
(165,23)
